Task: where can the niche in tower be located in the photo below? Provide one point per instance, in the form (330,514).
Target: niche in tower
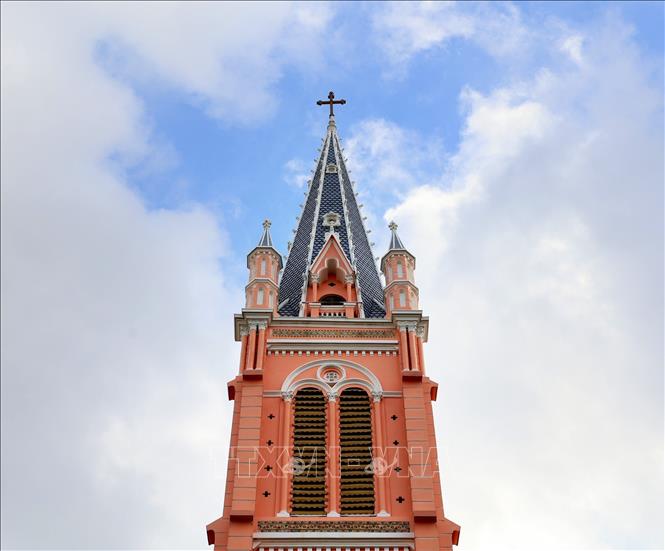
(355,438)
(308,491)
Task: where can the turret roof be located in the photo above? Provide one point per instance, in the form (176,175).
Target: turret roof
(266,239)
(266,242)
(395,241)
(395,244)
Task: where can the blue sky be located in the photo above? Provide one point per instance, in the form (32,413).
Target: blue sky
(518,145)
(237,168)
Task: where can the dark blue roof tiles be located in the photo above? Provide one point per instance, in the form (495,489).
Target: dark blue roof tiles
(331,155)
(368,275)
(331,201)
(291,284)
(333,190)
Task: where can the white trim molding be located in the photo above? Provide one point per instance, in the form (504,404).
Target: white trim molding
(333,540)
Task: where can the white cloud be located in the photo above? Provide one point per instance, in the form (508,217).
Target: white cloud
(296,173)
(387,157)
(113,358)
(406,29)
(388,161)
(572,45)
(226,58)
(540,262)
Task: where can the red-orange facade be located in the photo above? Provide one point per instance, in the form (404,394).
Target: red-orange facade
(332,443)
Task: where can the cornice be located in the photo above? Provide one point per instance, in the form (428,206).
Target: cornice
(415,317)
(288,321)
(327,540)
(249,316)
(402,282)
(260,314)
(263,280)
(333,348)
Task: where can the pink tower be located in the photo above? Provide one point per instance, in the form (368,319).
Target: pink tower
(332,441)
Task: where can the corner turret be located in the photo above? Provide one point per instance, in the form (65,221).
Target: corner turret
(264,264)
(398,266)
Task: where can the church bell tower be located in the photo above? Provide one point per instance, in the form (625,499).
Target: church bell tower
(332,440)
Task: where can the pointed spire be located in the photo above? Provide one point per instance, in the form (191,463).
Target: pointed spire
(395,241)
(266,239)
(330,203)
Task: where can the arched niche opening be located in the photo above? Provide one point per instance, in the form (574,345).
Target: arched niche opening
(332,300)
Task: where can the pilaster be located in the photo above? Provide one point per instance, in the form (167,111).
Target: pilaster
(333,456)
(285,443)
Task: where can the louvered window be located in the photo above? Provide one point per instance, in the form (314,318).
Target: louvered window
(355,435)
(308,495)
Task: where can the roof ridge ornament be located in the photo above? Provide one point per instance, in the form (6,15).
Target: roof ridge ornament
(331,219)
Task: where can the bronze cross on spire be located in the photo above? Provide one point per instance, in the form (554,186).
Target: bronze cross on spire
(331,101)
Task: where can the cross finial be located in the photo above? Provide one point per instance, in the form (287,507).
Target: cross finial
(266,224)
(331,101)
(392,226)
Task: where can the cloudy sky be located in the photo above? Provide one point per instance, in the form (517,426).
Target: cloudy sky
(519,147)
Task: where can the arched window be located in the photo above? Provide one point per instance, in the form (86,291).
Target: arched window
(332,300)
(400,272)
(263,266)
(308,489)
(392,302)
(389,274)
(270,299)
(355,441)
(402,299)
(259,298)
